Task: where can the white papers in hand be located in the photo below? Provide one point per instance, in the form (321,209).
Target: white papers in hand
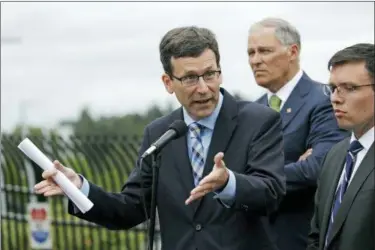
(73,193)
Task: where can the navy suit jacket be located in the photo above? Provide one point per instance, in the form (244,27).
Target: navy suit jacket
(250,136)
(308,121)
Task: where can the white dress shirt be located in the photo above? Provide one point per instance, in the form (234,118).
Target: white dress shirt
(366,141)
(287,89)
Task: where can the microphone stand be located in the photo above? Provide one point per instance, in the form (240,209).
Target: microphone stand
(155,178)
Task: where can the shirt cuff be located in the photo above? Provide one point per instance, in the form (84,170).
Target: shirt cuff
(227,195)
(85,189)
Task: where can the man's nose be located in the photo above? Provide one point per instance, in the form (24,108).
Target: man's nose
(255,59)
(335,97)
(202,85)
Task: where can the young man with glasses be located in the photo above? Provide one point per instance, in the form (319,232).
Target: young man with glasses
(217,181)
(344,202)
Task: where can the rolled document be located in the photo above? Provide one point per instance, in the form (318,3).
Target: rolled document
(74,194)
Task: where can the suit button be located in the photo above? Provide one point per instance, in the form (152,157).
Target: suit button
(198,227)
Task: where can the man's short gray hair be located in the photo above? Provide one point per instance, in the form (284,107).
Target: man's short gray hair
(286,33)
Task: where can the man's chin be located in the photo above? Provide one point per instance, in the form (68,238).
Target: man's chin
(344,125)
(262,81)
(201,114)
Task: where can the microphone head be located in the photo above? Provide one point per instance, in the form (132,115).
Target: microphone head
(180,127)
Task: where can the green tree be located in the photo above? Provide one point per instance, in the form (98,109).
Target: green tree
(131,124)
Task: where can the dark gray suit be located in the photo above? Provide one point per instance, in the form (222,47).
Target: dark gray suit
(353,228)
(250,136)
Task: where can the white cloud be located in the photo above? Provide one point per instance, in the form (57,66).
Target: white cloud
(105,55)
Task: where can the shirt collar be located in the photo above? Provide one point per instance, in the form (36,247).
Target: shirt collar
(208,122)
(366,139)
(287,89)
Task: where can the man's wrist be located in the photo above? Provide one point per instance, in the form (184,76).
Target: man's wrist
(225,184)
(80,181)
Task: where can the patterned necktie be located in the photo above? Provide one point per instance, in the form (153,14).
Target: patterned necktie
(354,148)
(197,151)
(275,103)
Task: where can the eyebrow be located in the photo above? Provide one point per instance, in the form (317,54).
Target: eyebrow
(341,83)
(259,48)
(194,72)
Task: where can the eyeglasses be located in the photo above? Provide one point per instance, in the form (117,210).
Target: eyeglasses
(191,80)
(342,89)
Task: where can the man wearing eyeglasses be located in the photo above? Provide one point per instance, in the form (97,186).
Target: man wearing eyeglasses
(345,200)
(217,181)
(308,123)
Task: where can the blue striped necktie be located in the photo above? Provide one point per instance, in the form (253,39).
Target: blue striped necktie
(354,148)
(197,151)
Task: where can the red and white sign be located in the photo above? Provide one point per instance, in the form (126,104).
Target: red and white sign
(40,225)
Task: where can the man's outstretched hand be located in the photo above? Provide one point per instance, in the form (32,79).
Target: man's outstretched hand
(49,187)
(215,180)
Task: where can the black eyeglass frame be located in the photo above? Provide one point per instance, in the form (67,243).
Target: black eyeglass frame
(183,79)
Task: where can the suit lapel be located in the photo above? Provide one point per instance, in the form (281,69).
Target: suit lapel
(223,131)
(337,163)
(181,158)
(364,169)
(263,100)
(295,100)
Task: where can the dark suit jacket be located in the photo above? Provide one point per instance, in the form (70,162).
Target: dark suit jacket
(308,122)
(353,228)
(250,136)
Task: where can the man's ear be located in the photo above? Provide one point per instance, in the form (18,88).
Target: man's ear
(293,52)
(168,83)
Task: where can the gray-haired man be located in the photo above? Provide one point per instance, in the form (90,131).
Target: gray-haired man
(309,125)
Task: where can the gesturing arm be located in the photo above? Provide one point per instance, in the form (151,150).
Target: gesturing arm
(124,209)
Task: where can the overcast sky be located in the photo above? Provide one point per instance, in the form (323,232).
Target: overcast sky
(57,58)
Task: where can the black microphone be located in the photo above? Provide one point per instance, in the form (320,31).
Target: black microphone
(176,129)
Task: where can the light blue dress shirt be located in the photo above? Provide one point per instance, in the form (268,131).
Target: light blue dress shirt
(227,195)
